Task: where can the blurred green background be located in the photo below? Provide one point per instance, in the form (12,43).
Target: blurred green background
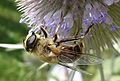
(14,66)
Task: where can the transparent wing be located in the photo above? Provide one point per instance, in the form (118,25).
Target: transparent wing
(88,59)
(82,59)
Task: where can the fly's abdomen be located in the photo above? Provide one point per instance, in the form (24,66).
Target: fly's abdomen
(68,55)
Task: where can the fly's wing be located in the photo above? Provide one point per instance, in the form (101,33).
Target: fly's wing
(84,59)
(88,59)
(68,56)
(73,54)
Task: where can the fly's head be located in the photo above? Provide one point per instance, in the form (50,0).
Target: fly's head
(35,42)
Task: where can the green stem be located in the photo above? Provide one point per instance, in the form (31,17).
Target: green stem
(101,72)
(72,73)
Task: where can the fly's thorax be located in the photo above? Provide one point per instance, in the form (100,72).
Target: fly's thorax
(44,54)
(46,41)
(42,44)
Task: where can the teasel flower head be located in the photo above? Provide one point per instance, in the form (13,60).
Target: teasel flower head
(97,20)
(54,14)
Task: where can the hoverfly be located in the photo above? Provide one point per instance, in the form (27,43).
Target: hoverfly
(52,50)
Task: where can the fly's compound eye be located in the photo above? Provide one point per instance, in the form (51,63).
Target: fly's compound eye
(30,43)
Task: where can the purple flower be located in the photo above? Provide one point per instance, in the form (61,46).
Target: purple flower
(110,2)
(95,13)
(114,28)
(70,18)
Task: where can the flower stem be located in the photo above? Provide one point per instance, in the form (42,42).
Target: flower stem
(71,76)
(101,72)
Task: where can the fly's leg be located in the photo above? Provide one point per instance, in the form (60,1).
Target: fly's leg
(88,30)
